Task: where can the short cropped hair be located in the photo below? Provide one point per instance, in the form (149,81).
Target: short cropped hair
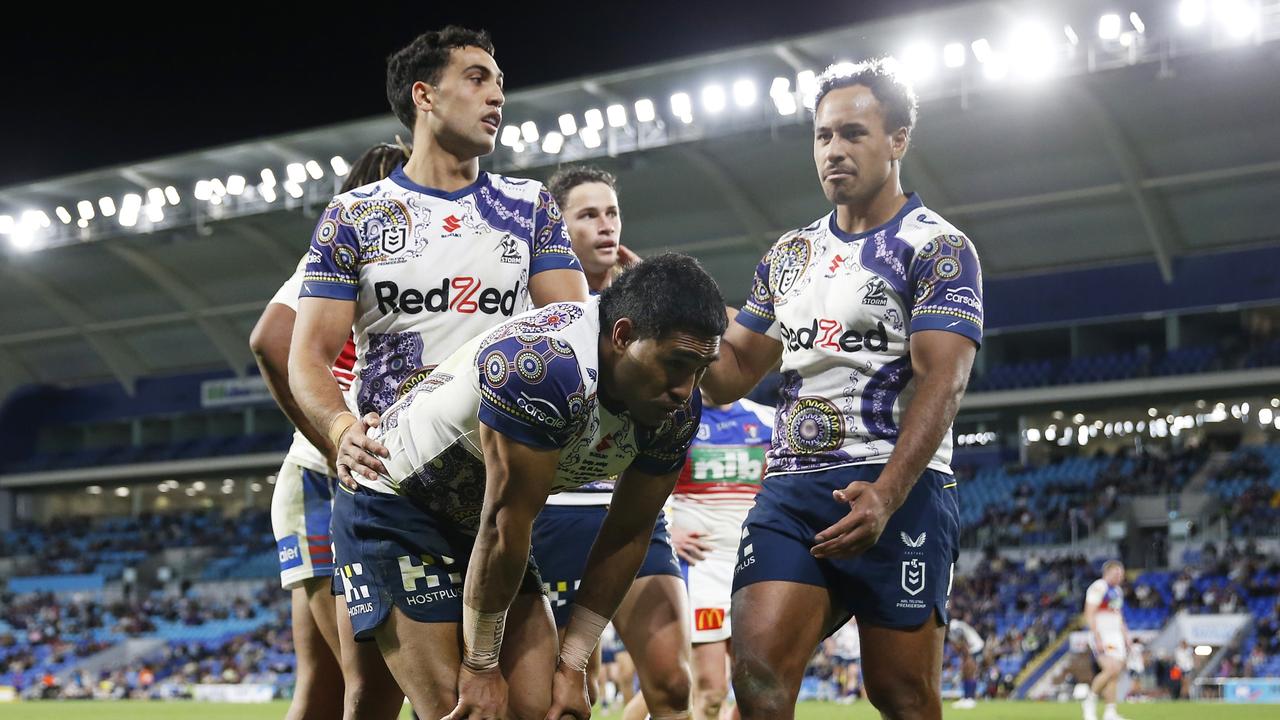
(571,176)
(423,60)
(665,294)
(893,92)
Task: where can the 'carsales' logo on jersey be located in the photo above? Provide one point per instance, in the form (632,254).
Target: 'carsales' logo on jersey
(460,294)
(830,335)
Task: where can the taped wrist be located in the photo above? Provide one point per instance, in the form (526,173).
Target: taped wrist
(481,637)
(581,637)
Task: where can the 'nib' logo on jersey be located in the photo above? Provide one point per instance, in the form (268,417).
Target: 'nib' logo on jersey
(827,334)
(460,294)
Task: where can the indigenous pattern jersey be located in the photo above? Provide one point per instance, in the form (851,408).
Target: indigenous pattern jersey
(302,452)
(429,270)
(534,379)
(844,308)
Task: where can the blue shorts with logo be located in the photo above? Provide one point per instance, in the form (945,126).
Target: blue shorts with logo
(898,583)
(562,539)
(391,552)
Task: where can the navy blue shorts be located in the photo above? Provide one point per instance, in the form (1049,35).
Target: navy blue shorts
(898,583)
(392,552)
(562,539)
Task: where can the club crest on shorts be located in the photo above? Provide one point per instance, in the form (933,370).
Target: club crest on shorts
(913,575)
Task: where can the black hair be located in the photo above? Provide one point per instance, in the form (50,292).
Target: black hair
(374,164)
(665,294)
(571,176)
(893,92)
(423,60)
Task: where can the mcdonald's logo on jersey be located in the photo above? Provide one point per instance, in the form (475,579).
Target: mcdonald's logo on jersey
(708,618)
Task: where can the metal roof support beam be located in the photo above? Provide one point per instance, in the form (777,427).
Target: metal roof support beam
(1156,220)
(224,337)
(264,243)
(123,363)
(135,323)
(759,228)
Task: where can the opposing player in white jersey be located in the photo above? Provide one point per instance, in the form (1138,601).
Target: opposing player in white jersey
(875,311)
(302,501)
(711,501)
(652,619)
(415,265)
(1108,638)
(546,402)
(968,644)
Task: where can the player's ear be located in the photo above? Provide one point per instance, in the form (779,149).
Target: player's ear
(899,141)
(423,96)
(623,333)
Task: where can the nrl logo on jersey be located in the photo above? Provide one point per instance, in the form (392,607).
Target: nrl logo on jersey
(510,250)
(393,240)
(874,293)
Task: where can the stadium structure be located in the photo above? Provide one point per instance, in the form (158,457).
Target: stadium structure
(1116,165)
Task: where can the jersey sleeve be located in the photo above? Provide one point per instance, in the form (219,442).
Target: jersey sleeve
(531,390)
(287,295)
(765,413)
(946,281)
(551,247)
(758,314)
(667,448)
(333,263)
(1096,592)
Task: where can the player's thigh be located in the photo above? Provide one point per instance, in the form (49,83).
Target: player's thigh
(423,658)
(653,623)
(710,669)
(323,611)
(776,626)
(530,647)
(902,667)
(370,690)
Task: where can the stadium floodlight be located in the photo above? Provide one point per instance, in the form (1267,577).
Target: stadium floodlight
(256,487)
(1238,17)
(1032,50)
(953,55)
(155,214)
(6,224)
(713,98)
(1033,435)
(645,112)
(82,223)
(293,188)
(1136,21)
(568,124)
(1265,416)
(314,170)
(217,188)
(1126,39)
(235,184)
(155,196)
(682,107)
(744,93)
(63,215)
(529,131)
(1204,650)
(594,119)
(981,50)
(1191,13)
(552,143)
(267,192)
(519,146)
(1070,32)
(919,60)
(41,219)
(807,85)
(94,489)
(1109,26)
(203,190)
(85,208)
(296,173)
(617,115)
(783,99)
(129,207)
(171,194)
(996,67)
(268,177)
(339,165)
(510,136)
(198,485)
(107,205)
(590,137)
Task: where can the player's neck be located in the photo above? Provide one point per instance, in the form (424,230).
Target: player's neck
(598,281)
(432,166)
(875,211)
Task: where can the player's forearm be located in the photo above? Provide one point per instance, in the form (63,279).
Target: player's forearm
(315,390)
(728,379)
(925,423)
(498,559)
(612,566)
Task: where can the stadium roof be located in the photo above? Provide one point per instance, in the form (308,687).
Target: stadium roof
(1050,145)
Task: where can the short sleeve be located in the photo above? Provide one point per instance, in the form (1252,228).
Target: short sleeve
(946,282)
(1096,592)
(666,448)
(758,314)
(531,390)
(287,295)
(333,263)
(551,247)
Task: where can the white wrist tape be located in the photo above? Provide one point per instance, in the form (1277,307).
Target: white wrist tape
(481,637)
(581,637)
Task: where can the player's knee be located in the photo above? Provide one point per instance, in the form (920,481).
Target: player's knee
(904,698)
(671,691)
(759,689)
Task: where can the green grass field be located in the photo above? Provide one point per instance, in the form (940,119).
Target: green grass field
(807,711)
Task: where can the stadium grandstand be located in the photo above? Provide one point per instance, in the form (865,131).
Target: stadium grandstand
(1116,165)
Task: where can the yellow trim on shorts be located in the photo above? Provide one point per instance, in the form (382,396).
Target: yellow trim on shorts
(944,487)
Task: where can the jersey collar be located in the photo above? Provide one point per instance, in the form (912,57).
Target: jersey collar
(398,177)
(913,203)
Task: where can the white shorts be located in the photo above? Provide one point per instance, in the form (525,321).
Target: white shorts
(301,512)
(1112,646)
(710,587)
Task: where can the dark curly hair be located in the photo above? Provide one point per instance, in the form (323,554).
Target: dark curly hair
(895,95)
(422,61)
(664,294)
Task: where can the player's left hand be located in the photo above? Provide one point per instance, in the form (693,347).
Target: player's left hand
(856,532)
(569,695)
(689,544)
(482,695)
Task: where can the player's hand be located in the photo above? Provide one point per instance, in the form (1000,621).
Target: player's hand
(482,695)
(358,453)
(689,544)
(569,695)
(856,532)
(626,257)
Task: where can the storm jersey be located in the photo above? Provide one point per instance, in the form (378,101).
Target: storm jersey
(535,380)
(844,308)
(302,452)
(726,461)
(429,269)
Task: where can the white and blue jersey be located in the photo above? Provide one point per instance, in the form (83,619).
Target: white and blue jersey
(429,269)
(844,308)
